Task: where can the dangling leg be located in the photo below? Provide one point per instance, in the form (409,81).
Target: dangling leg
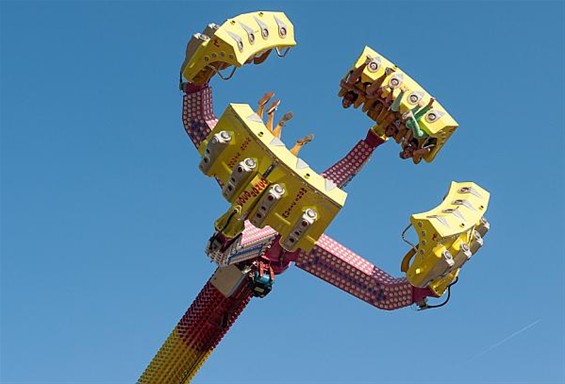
(389,118)
(375,110)
(271,114)
(408,135)
(425,146)
(355,75)
(387,102)
(400,133)
(263,101)
(420,153)
(278,129)
(375,86)
(300,143)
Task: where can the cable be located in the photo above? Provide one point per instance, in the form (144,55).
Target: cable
(447,298)
(216,70)
(403,235)
(217,233)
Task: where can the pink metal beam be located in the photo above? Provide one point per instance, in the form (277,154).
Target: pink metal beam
(197,112)
(339,266)
(344,170)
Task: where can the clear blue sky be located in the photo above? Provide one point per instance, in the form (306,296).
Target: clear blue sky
(105,214)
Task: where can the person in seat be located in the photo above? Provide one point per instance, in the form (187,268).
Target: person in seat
(350,83)
(425,146)
(411,119)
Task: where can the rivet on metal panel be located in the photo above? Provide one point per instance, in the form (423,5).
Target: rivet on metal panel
(396,80)
(374,65)
(434,115)
(237,39)
(282,27)
(264,28)
(414,97)
(249,31)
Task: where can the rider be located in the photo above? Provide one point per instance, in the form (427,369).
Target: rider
(271,114)
(386,117)
(352,78)
(300,143)
(263,101)
(412,117)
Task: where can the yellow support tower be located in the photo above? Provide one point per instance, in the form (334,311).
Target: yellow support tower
(246,38)
(266,183)
(448,236)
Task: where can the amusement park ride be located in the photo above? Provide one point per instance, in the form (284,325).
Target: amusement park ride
(280,207)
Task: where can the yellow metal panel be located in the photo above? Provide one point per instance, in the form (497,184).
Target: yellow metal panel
(304,187)
(441,128)
(231,223)
(467,198)
(248,196)
(448,227)
(237,41)
(175,363)
(439,286)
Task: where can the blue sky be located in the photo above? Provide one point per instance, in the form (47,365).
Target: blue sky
(105,214)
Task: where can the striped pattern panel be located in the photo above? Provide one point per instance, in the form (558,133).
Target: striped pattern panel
(344,170)
(197,114)
(250,252)
(253,235)
(255,243)
(339,266)
(196,335)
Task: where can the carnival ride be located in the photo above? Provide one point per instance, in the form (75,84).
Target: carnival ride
(280,207)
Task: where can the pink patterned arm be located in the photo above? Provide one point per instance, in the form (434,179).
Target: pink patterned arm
(197,112)
(339,266)
(344,170)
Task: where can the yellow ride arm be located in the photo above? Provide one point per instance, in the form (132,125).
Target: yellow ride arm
(243,39)
(437,123)
(448,236)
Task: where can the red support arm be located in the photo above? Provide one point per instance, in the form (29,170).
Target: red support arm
(345,169)
(339,266)
(197,112)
